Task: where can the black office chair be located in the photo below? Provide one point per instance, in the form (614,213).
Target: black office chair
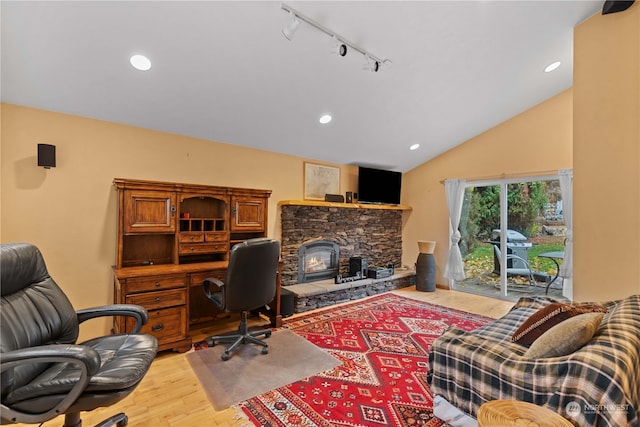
(250,283)
(44,372)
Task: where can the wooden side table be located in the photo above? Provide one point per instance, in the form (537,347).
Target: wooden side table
(505,413)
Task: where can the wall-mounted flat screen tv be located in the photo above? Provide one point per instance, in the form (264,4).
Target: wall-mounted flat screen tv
(379,186)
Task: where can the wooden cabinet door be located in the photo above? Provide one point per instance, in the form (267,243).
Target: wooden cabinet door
(248,213)
(149,211)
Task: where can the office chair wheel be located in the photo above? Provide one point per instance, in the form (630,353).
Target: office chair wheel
(267,335)
(265,350)
(225,356)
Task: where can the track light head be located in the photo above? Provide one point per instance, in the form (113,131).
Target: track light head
(339,47)
(291,27)
(371,64)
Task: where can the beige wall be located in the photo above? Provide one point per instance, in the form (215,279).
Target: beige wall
(607,156)
(538,140)
(70,211)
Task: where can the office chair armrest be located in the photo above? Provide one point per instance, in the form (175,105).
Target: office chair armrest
(85,358)
(217,295)
(127,310)
(70,353)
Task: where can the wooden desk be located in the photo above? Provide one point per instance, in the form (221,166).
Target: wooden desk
(173,296)
(172,236)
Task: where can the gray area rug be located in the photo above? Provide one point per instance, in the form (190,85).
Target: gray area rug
(249,373)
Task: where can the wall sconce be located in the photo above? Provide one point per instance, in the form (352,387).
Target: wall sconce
(340,43)
(47,156)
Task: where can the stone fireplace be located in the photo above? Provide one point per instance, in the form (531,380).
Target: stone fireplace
(342,231)
(374,234)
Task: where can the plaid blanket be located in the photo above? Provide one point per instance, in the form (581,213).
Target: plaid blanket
(597,385)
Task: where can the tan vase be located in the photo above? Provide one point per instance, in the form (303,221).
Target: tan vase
(426,246)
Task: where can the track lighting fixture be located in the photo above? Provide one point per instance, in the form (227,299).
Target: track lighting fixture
(341,44)
(291,27)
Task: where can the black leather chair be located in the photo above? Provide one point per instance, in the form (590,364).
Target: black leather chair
(250,283)
(44,372)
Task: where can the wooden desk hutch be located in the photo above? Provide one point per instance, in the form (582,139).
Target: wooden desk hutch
(171,237)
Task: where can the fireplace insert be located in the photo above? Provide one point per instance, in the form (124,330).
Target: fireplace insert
(318,260)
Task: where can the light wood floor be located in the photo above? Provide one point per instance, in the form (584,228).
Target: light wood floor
(170,394)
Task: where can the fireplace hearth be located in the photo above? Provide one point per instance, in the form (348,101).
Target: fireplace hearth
(318,260)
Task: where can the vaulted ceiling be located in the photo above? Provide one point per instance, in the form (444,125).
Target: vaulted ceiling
(222,70)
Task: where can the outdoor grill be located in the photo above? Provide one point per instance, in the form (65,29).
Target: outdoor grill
(516,245)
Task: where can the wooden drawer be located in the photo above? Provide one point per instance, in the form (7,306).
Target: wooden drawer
(202,248)
(153,283)
(191,237)
(216,236)
(159,299)
(167,325)
(197,278)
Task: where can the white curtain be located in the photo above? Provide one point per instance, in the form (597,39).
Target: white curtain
(454,189)
(566,269)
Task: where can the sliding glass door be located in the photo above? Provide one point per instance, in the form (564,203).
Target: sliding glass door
(511,223)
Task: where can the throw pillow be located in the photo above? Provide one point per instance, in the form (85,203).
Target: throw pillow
(549,316)
(566,337)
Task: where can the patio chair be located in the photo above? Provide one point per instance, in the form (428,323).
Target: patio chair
(517,271)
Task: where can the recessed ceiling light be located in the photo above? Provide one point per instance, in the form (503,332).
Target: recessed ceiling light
(414,147)
(326,118)
(552,67)
(140,62)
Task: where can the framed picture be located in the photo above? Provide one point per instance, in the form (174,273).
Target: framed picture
(320,180)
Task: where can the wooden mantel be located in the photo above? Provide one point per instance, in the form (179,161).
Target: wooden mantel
(343,205)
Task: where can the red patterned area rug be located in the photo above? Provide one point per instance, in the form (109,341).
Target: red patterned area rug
(383,343)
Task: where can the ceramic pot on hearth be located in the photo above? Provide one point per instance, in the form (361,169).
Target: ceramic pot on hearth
(426,266)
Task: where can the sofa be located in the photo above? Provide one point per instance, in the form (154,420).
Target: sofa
(596,385)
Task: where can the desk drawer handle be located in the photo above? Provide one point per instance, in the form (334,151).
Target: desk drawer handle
(157,299)
(157,284)
(157,327)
